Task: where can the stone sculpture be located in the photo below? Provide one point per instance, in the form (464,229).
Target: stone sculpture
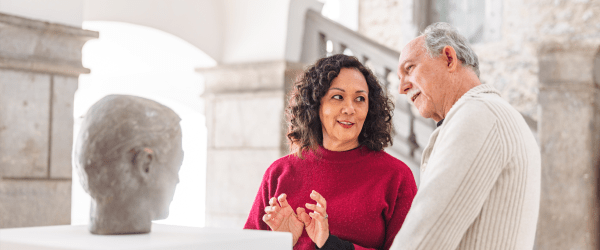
(128,154)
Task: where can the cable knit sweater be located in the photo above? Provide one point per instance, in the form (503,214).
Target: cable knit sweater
(480,180)
(368,193)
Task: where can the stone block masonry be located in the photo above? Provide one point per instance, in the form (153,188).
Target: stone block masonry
(39,67)
(569,133)
(246,127)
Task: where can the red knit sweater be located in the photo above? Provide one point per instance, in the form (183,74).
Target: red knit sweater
(368,193)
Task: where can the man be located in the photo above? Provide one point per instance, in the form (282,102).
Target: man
(480,172)
(128,154)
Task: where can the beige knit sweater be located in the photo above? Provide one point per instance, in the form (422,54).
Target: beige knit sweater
(480,180)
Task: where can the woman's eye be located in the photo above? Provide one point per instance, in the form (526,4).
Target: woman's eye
(409,68)
(339,97)
(360,98)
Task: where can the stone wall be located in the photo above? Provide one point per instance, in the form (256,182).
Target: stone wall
(246,133)
(509,63)
(381,20)
(546,64)
(569,135)
(39,67)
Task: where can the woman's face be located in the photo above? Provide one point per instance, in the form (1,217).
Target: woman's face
(344,109)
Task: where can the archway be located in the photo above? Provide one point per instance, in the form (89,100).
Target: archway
(146,62)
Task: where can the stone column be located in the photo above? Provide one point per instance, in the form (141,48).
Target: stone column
(246,133)
(39,67)
(569,129)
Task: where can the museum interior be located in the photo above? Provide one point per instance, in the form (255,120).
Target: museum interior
(225,68)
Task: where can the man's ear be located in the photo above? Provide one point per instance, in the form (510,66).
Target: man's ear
(450,56)
(142,161)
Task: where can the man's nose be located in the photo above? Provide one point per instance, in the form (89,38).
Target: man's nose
(404,87)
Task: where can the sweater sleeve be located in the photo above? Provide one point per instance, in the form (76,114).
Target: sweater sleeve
(254,220)
(403,201)
(334,243)
(464,165)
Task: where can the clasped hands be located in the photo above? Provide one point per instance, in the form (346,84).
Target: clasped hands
(281,217)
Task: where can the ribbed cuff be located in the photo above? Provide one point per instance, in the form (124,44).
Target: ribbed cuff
(334,243)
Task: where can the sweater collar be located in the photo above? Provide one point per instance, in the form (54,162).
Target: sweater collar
(481,89)
(474,92)
(342,156)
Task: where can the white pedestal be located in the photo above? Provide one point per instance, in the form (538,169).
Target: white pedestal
(161,237)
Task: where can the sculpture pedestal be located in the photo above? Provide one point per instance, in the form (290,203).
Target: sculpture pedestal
(161,237)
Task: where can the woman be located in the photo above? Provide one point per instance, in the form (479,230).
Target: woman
(357,195)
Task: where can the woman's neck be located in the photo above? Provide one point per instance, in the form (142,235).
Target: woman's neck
(339,146)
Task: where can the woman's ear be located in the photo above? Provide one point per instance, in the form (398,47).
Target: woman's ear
(142,161)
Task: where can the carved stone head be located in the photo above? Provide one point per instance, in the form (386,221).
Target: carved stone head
(128,154)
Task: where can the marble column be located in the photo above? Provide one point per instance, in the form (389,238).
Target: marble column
(39,67)
(569,134)
(246,133)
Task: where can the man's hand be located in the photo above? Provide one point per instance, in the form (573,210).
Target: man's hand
(281,217)
(316,223)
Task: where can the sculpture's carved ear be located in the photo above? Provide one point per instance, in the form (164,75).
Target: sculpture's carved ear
(142,160)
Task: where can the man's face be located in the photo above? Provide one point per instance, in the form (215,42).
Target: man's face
(423,79)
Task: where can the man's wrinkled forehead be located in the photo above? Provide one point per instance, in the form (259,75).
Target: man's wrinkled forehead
(412,50)
(411,53)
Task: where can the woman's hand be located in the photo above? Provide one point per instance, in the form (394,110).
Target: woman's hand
(281,217)
(316,223)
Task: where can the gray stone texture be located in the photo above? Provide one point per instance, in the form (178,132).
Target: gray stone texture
(510,61)
(247,77)
(569,134)
(28,203)
(39,66)
(248,120)
(42,46)
(24,117)
(128,154)
(233,179)
(381,20)
(62,126)
(246,127)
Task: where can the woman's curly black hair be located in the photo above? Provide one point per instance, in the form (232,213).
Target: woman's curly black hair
(304,124)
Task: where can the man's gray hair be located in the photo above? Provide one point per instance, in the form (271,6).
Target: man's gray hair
(440,35)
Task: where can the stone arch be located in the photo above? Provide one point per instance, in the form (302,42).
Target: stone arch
(126,59)
(198,22)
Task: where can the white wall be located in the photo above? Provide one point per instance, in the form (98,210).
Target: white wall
(198,22)
(254,30)
(264,30)
(344,12)
(67,12)
(230,31)
(295,26)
